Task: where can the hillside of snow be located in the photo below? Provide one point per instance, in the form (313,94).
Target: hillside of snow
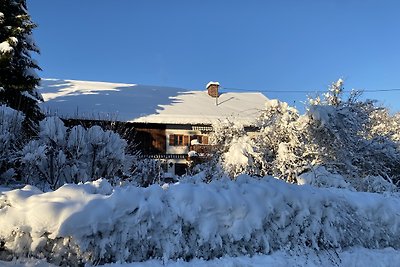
(96,223)
(150,104)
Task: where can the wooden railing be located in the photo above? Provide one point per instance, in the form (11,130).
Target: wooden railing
(201,149)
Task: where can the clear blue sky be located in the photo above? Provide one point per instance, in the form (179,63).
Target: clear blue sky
(259,45)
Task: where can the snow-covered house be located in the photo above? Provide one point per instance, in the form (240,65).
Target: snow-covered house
(170,123)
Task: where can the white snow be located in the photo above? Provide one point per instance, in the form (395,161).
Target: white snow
(13,40)
(353,257)
(320,177)
(5,47)
(149,104)
(199,107)
(192,153)
(194,142)
(239,151)
(223,218)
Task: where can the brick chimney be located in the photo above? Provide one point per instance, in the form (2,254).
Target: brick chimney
(212,89)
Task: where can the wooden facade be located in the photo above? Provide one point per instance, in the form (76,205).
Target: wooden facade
(169,143)
(150,139)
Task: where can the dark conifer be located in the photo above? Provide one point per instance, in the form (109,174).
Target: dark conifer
(18,79)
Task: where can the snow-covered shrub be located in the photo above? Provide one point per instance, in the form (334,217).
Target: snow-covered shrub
(61,156)
(106,153)
(279,141)
(276,149)
(44,161)
(385,125)
(75,224)
(338,136)
(76,147)
(241,157)
(374,184)
(43,165)
(146,172)
(343,136)
(226,139)
(318,176)
(11,140)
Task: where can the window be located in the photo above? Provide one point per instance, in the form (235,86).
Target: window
(178,140)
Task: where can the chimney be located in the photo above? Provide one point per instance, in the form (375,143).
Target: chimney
(212,88)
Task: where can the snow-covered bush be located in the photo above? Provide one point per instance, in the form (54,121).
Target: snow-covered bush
(146,172)
(276,149)
(318,176)
(77,153)
(61,156)
(78,224)
(106,153)
(339,136)
(374,184)
(241,157)
(385,125)
(11,141)
(344,136)
(232,153)
(279,141)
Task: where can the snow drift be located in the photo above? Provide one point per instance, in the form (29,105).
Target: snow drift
(95,223)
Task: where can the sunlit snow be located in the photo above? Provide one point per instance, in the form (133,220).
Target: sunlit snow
(140,103)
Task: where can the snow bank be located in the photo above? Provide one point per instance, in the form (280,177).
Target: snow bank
(224,218)
(353,257)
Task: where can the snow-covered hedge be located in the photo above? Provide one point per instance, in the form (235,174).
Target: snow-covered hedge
(91,223)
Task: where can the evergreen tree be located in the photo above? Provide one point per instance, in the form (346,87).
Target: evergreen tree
(18,79)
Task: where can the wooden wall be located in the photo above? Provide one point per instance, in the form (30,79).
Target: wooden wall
(151,140)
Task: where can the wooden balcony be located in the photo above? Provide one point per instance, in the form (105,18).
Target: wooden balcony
(201,149)
(204,153)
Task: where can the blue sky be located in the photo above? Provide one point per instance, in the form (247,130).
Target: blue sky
(257,45)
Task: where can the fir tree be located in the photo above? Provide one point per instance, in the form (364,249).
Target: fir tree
(18,79)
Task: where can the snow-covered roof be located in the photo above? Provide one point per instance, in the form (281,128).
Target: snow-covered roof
(149,104)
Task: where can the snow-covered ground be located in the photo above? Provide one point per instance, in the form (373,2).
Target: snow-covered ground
(95,223)
(353,257)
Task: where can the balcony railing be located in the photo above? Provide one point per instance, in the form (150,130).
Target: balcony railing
(201,149)
(203,153)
